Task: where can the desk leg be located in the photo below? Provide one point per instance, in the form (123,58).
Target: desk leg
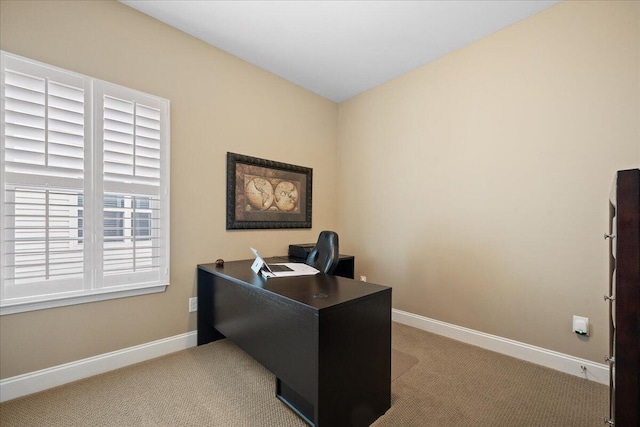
(206,332)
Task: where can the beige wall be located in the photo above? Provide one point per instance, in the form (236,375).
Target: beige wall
(477,185)
(218,104)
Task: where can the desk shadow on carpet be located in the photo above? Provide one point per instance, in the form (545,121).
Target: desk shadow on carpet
(401,363)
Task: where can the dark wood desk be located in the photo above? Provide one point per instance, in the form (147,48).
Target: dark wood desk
(326,338)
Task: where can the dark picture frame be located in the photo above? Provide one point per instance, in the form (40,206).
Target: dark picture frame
(264,194)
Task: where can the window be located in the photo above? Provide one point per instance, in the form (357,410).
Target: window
(84,189)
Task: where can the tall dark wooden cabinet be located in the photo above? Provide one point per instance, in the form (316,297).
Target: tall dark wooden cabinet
(624,299)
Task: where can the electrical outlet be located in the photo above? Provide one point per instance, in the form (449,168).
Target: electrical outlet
(363,278)
(193,304)
(580,325)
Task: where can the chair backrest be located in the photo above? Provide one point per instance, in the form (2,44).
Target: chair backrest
(325,255)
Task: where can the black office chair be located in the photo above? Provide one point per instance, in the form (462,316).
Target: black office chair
(324,256)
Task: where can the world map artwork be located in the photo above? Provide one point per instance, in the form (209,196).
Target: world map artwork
(263,194)
(271,194)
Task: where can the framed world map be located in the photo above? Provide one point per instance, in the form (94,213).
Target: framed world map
(267,194)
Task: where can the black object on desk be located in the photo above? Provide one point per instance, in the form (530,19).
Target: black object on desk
(326,338)
(301,250)
(346,263)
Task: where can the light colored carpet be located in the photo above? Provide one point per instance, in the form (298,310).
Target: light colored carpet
(437,382)
(401,363)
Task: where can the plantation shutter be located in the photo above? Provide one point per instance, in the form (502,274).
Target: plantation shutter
(43,178)
(44,126)
(84,188)
(134,190)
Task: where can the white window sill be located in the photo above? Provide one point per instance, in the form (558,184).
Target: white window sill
(21,307)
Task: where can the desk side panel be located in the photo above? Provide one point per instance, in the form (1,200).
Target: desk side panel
(206,331)
(355,362)
(346,267)
(275,331)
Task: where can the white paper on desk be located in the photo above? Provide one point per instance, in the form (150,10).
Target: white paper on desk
(297,269)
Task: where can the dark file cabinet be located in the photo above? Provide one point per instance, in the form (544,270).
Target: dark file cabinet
(624,300)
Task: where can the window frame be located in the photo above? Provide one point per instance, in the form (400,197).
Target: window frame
(90,238)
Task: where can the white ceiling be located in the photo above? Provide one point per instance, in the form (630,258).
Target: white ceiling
(339,49)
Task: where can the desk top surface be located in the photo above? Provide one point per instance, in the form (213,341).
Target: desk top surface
(319,292)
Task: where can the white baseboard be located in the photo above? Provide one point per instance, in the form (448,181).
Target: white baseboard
(44,379)
(551,359)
